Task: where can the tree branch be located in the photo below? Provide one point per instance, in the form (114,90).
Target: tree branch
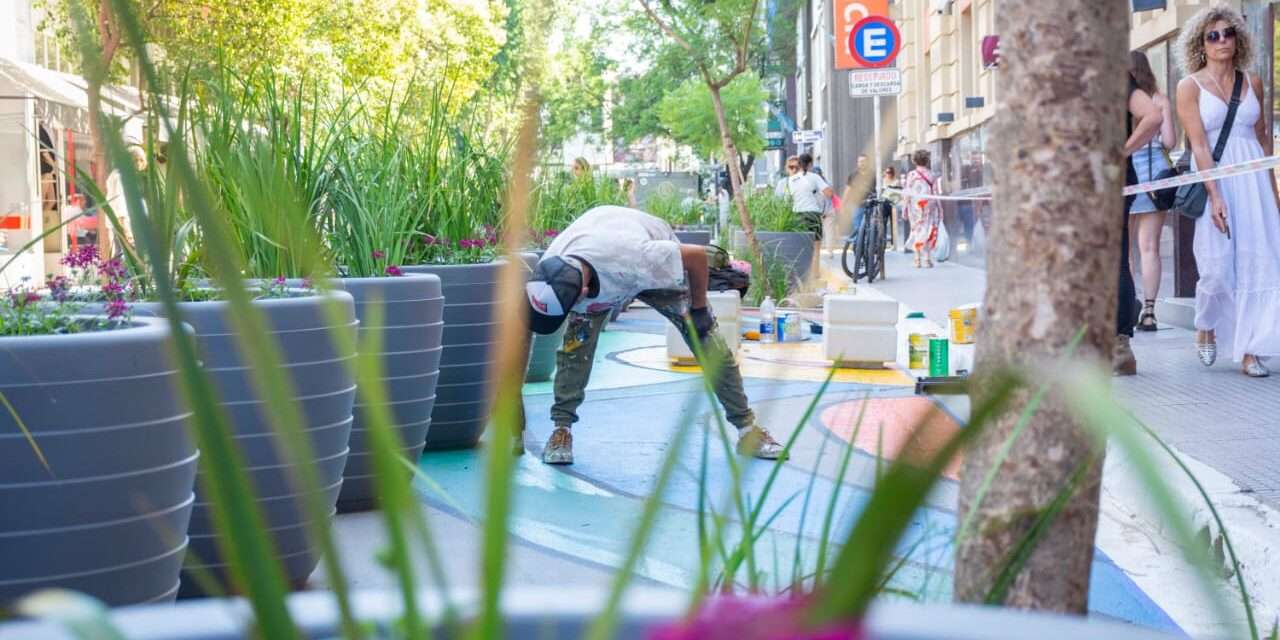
(745,47)
(671,33)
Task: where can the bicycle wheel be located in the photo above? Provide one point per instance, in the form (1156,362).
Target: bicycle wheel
(863,249)
(844,258)
(874,240)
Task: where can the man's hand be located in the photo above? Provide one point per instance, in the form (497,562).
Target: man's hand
(703,322)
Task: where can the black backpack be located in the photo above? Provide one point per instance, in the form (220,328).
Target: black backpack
(722,276)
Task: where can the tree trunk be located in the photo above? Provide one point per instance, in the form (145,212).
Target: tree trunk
(1053,270)
(98,159)
(735,173)
(747,164)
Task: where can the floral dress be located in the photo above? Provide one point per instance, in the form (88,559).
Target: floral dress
(925,215)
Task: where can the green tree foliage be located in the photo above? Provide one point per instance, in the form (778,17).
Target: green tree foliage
(574,92)
(688,114)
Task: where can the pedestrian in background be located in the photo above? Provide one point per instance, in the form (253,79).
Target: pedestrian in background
(857,187)
(1146,220)
(1237,239)
(925,213)
(1142,124)
(809,194)
(890,181)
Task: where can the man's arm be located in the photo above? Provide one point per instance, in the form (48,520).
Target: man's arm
(694,257)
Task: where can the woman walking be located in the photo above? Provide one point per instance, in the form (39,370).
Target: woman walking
(925,214)
(1146,220)
(809,194)
(890,181)
(1237,239)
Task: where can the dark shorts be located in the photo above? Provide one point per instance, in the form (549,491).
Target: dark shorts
(812,222)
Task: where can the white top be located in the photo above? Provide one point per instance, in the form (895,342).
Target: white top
(805,191)
(630,251)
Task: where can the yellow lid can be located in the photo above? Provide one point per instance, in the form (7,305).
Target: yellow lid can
(964,324)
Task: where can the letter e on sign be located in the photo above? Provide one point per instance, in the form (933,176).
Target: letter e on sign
(846,14)
(874,42)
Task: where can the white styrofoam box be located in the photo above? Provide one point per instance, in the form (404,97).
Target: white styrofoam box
(860,343)
(678,350)
(725,306)
(859,309)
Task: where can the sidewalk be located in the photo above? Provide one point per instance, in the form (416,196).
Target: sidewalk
(1226,426)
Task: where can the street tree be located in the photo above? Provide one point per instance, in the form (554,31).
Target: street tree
(574,91)
(717,37)
(1053,271)
(690,116)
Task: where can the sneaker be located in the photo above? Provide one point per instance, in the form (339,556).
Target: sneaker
(1123,362)
(559,448)
(755,441)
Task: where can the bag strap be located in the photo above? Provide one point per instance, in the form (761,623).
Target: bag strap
(1231,118)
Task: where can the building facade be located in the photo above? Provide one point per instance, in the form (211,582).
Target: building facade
(950,95)
(822,100)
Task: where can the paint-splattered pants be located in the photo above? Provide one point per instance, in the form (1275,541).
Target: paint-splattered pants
(577,354)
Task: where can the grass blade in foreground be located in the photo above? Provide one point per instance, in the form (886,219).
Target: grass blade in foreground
(868,551)
(1096,408)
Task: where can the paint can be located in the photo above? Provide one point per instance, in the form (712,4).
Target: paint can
(939,365)
(964,323)
(780,332)
(918,351)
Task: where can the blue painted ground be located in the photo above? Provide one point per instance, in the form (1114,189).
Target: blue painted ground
(589,510)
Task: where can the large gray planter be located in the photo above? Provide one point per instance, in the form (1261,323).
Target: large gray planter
(320,371)
(794,250)
(694,236)
(109,516)
(567,613)
(412,328)
(461,409)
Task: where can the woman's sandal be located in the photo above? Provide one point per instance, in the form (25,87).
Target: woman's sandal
(1147,319)
(1208,352)
(1255,369)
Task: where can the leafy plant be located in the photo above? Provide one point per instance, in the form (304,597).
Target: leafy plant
(771,212)
(560,197)
(668,203)
(769,277)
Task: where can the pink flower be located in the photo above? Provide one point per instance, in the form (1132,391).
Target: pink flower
(550,233)
(22,298)
(393,270)
(429,240)
(280,281)
(741,265)
(755,618)
(117,309)
(378,255)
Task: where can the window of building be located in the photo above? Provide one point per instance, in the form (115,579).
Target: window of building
(968,54)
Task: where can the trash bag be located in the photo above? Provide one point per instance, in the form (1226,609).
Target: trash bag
(942,250)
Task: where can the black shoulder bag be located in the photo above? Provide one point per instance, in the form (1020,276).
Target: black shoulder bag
(1190,199)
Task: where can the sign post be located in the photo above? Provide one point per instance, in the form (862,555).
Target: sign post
(874,43)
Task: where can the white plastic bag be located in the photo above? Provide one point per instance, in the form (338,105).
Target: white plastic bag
(942,250)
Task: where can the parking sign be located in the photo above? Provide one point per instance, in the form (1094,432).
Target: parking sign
(874,42)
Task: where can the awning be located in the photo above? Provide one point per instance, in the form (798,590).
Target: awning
(65,96)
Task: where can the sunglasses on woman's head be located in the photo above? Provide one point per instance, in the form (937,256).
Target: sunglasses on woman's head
(1226,34)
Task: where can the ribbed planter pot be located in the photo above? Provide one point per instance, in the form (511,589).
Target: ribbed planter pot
(569,613)
(320,371)
(794,250)
(461,408)
(412,328)
(109,515)
(694,236)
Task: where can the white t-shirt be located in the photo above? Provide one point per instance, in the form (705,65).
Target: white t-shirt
(805,190)
(630,251)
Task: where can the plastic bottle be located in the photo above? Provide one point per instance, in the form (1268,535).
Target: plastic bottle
(918,331)
(768,320)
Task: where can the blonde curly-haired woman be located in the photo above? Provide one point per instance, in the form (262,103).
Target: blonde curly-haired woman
(1237,240)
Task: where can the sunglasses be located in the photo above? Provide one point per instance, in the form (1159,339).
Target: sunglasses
(793,167)
(1226,34)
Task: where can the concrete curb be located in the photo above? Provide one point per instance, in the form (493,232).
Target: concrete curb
(1138,538)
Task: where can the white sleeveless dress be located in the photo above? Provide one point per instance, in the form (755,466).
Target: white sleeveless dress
(1238,294)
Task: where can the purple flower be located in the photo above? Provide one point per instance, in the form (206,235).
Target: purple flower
(280,281)
(112,268)
(117,309)
(81,258)
(378,255)
(307,283)
(112,289)
(550,233)
(393,270)
(429,240)
(22,298)
(59,288)
(756,618)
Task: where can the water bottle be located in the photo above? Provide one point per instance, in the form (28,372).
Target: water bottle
(768,320)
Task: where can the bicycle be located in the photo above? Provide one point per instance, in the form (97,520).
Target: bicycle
(867,241)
